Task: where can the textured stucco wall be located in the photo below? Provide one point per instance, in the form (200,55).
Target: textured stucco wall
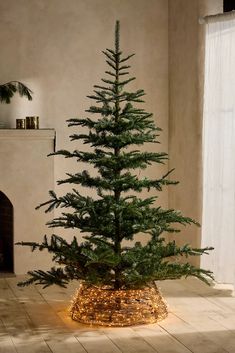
(54,46)
(186,67)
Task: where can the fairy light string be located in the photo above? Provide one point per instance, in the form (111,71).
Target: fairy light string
(107,307)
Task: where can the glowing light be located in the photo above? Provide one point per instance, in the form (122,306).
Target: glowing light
(108,307)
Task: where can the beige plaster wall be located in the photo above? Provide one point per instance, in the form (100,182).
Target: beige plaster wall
(186,63)
(54,46)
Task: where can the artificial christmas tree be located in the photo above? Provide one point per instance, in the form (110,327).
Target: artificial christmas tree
(117,280)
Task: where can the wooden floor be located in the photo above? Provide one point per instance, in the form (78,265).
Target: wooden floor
(201,320)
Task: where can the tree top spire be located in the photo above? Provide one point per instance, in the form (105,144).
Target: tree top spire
(117,36)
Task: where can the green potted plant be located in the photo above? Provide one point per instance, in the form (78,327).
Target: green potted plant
(117,274)
(8,89)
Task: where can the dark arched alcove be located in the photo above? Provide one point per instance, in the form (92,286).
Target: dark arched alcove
(6,234)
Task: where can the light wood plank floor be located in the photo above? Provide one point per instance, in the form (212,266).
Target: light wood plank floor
(201,320)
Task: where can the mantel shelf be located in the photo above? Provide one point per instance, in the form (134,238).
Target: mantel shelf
(34,134)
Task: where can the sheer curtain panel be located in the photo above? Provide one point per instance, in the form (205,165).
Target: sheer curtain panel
(218,221)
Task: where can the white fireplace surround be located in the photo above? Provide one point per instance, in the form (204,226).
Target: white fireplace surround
(26,176)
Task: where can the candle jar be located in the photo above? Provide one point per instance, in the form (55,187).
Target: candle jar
(32,122)
(20,123)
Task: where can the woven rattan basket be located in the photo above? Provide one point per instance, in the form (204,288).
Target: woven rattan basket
(108,307)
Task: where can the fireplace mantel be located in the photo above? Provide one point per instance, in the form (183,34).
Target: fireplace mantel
(26,176)
(38,134)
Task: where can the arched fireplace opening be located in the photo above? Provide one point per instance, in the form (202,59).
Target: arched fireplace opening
(6,234)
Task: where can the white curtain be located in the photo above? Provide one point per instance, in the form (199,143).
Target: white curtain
(218,221)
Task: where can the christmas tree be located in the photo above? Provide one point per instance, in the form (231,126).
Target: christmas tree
(115,130)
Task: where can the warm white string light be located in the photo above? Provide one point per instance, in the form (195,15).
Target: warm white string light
(108,307)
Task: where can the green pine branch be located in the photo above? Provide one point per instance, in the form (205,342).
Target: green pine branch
(47,278)
(123,183)
(122,140)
